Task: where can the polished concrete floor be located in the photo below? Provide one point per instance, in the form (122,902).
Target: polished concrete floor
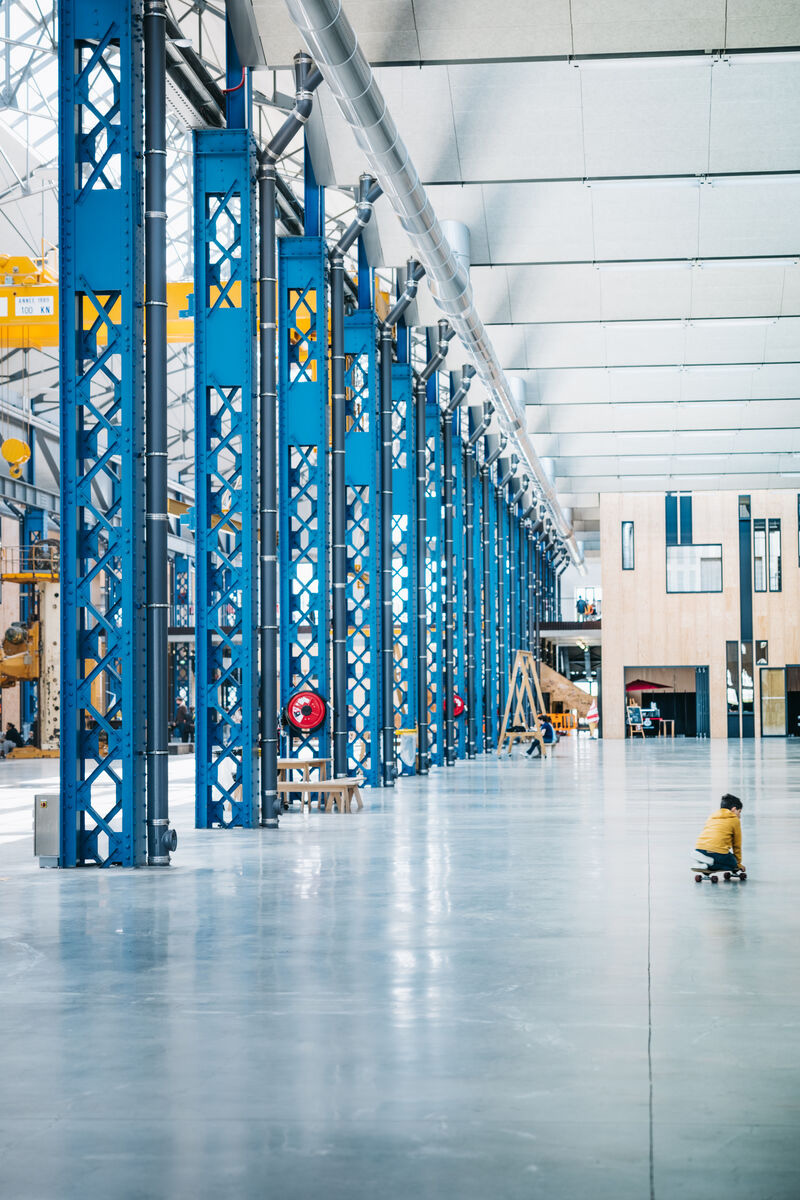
(500,982)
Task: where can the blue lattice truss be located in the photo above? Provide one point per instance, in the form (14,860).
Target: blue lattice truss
(226,723)
(33,530)
(102,433)
(492,615)
(434,569)
(303,478)
(363,545)
(459,591)
(477,605)
(182,620)
(404,562)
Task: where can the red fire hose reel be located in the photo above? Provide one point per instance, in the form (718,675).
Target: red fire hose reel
(305,711)
(459,707)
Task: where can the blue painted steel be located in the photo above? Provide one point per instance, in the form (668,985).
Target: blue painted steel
(362,539)
(226,622)
(493,613)
(313,198)
(303,477)
(477,606)
(434,584)
(404,559)
(181,619)
(459,577)
(102,433)
(33,530)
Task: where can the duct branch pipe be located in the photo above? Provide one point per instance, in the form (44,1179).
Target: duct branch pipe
(494,454)
(306,80)
(160,839)
(483,426)
(422,590)
(458,393)
(330,38)
(366,189)
(368,192)
(414,272)
(513,464)
(446,334)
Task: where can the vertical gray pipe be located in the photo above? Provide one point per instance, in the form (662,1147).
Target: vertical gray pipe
(470,608)
(513,624)
(530,592)
(387,620)
(502,600)
(338,518)
(488,600)
(268,471)
(160,840)
(422,589)
(537,591)
(449,611)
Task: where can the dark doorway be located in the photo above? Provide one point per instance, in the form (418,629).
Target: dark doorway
(793,700)
(703,720)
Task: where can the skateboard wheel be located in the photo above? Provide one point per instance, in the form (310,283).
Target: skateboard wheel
(742,877)
(714,879)
(698,878)
(727,875)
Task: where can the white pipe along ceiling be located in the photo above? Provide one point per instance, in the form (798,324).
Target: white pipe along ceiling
(332,42)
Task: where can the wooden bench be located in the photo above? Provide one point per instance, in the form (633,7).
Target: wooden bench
(343,791)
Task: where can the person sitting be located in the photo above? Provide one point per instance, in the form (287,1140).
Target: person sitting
(549,738)
(11,739)
(719,847)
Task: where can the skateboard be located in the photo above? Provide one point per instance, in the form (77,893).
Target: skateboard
(714,875)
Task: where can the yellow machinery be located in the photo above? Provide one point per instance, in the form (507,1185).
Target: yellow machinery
(29,306)
(31,652)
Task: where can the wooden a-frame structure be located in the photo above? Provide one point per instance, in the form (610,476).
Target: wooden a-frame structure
(524,706)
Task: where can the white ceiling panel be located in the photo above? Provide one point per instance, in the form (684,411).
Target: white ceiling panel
(628,26)
(756,23)
(755,114)
(751,216)
(646,119)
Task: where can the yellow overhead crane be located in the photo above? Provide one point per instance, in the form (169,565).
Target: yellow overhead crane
(29,306)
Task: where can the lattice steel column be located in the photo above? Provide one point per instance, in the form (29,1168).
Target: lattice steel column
(491,702)
(460,592)
(362,539)
(181,619)
(303,477)
(404,557)
(102,433)
(434,574)
(475,627)
(226,624)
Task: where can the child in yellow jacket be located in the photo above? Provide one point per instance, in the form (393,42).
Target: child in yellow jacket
(719,847)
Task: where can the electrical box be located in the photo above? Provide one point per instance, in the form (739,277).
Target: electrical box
(47,829)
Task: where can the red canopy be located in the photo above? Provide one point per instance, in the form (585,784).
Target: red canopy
(644,685)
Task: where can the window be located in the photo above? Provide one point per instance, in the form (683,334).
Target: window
(678,518)
(762,654)
(774,554)
(748,692)
(627,545)
(759,556)
(744,508)
(694,568)
(732,677)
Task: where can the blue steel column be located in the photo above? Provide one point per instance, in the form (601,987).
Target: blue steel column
(476,691)
(501,582)
(460,663)
(303,438)
(33,529)
(102,433)
(491,611)
(434,575)
(404,543)
(362,540)
(181,619)
(226,621)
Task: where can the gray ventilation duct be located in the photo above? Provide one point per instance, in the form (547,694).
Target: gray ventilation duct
(331,40)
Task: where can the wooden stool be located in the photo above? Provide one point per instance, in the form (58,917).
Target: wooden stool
(287,765)
(344,791)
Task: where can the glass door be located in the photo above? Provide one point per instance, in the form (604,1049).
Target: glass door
(773,702)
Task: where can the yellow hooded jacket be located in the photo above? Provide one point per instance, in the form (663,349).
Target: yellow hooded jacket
(722,833)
